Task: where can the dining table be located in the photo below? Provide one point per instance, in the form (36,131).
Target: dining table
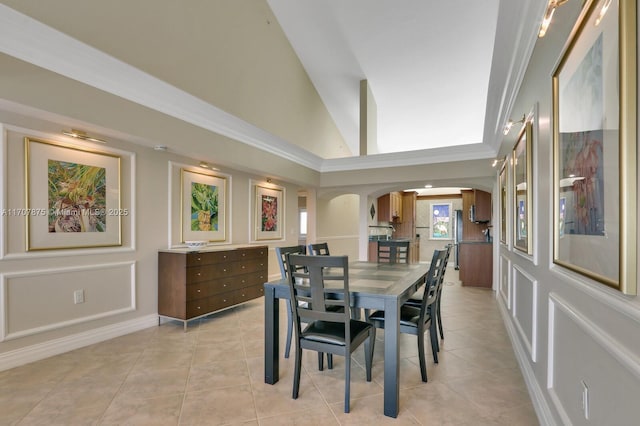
(372,286)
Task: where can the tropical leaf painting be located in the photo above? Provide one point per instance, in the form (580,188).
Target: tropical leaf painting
(76,197)
(269,219)
(204,207)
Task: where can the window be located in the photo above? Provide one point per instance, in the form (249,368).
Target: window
(303,222)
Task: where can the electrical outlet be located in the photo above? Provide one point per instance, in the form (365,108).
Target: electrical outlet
(585,399)
(78,296)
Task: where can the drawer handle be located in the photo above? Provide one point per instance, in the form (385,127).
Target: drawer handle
(224,300)
(198,259)
(242,281)
(224,270)
(198,273)
(198,290)
(224,285)
(224,257)
(242,266)
(198,308)
(242,294)
(244,254)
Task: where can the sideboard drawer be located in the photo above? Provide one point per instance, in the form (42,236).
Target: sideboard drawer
(195,284)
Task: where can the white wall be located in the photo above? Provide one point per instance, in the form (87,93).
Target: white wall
(566,328)
(338,223)
(38,317)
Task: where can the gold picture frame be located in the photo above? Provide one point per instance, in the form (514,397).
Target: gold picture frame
(503,202)
(72,197)
(203,209)
(268,212)
(594,147)
(522,189)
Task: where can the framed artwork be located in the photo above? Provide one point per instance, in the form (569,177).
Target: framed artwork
(522,191)
(268,212)
(594,146)
(503,203)
(72,197)
(203,206)
(441,222)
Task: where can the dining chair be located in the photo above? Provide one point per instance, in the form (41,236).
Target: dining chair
(438,310)
(281,254)
(418,320)
(318,283)
(416,299)
(319,249)
(393,251)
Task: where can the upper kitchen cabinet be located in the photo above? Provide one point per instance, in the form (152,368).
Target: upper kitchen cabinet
(390,207)
(476,206)
(480,209)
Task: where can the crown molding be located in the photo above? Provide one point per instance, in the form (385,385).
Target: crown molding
(410,158)
(34,42)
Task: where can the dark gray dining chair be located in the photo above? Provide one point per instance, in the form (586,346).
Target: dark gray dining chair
(281,254)
(393,251)
(315,294)
(319,249)
(417,320)
(416,299)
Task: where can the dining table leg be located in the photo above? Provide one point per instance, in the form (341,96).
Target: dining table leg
(391,358)
(271,336)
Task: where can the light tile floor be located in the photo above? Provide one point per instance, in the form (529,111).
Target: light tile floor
(213,374)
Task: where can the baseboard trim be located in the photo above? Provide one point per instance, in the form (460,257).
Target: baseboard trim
(50,348)
(545,416)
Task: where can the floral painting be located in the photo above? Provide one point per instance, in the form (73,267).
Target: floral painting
(582,183)
(595,163)
(203,206)
(77,197)
(73,197)
(268,212)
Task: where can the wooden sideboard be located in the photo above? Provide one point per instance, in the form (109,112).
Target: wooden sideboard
(195,284)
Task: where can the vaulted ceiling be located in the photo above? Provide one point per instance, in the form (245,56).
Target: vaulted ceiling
(444,75)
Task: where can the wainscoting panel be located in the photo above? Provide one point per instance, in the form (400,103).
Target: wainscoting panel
(505,284)
(37,301)
(524,310)
(583,356)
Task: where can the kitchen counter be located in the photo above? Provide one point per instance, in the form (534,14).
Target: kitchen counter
(475,259)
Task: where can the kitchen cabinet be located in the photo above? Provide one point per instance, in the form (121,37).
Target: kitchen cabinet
(390,207)
(472,231)
(195,284)
(482,205)
(476,264)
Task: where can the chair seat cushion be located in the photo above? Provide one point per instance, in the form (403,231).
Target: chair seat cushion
(333,332)
(409,316)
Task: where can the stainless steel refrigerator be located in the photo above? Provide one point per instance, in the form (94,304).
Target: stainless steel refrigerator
(457,235)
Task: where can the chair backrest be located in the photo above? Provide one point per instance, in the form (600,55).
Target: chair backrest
(445,260)
(393,251)
(281,254)
(319,249)
(316,284)
(447,251)
(434,280)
